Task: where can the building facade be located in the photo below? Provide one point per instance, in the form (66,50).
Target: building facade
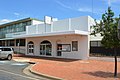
(68,38)
(13,29)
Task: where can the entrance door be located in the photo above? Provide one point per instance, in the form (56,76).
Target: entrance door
(30,47)
(42,49)
(59,49)
(45,48)
(48,48)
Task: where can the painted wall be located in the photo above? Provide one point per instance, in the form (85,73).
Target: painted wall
(61,25)
(38,29)
(83,49)
(81,23)
(37,22)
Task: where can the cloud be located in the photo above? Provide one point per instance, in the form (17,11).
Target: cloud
(76,8)
(17,14)
(63,5)
(113,1)
(73,8)
(85,9)
(110,2)
(89,10)
(5,21)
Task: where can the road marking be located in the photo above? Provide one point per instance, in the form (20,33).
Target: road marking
(19,75)
(19,64)
(4,61)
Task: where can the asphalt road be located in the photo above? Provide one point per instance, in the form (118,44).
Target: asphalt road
(11,70)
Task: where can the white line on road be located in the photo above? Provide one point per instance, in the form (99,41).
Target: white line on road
(19,75)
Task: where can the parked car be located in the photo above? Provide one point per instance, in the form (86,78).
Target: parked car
(6,53)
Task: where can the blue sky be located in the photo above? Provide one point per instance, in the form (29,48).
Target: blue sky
(17,9)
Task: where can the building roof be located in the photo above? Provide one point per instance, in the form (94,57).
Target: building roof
(19,21)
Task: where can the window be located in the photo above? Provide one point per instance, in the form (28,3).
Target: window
(3,43)
(17,42)
(99,43)
(0,43)
(74,45)
(64,47)
(12,42)
(7,43)
(21,42)
(95,43)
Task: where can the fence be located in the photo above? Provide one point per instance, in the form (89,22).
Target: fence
(101,51)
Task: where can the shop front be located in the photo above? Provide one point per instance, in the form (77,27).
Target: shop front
(63,46)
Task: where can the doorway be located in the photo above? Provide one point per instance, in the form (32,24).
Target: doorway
(45,48)
(30,47)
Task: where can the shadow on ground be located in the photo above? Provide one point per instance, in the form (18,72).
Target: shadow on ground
(102,74)
(52,58)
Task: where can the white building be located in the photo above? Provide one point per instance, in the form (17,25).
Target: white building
(68,38)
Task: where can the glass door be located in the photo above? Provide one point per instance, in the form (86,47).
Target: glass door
(48,49)
(42,49)
(30,47)
(45,49)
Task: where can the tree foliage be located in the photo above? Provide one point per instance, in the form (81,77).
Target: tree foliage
(108,29)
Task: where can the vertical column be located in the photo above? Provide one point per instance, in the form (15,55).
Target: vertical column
(69,24)
(27,30)
(51,26)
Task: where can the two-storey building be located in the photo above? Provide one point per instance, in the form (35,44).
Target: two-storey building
(68,38)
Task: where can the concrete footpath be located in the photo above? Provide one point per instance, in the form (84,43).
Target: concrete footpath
(104,58)
(92,69)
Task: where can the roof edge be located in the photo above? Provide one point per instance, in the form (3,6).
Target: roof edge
(18,21)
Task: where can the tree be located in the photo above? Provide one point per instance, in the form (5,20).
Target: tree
(109,31)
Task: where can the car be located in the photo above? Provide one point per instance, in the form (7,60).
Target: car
(6,53)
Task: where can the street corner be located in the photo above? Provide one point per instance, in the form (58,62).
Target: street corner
(43,75)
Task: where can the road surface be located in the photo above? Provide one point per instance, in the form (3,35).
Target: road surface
(11,70)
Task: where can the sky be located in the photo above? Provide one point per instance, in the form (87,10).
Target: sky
(11,10)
